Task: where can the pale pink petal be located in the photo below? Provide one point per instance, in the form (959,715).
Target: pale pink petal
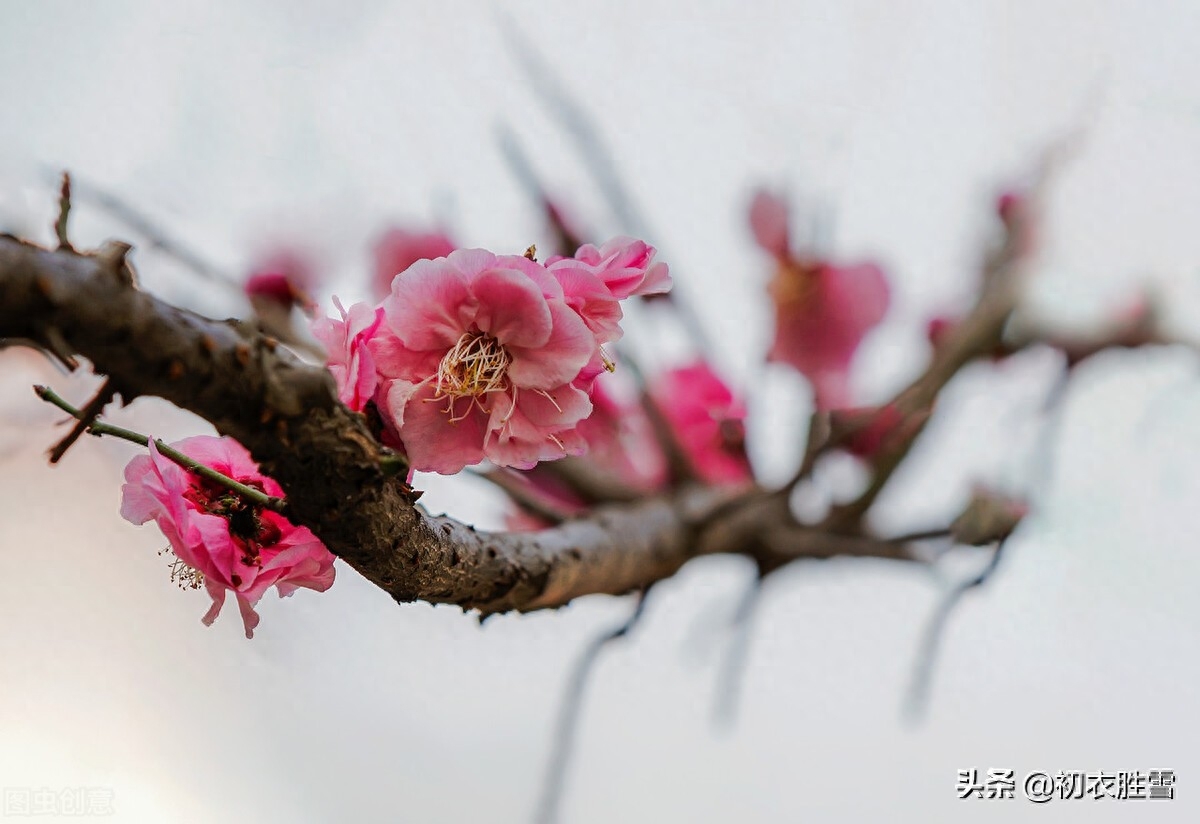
(769,222)
(431,306)
(592,301)
(435,443)
(250,618)
(512,308)
(520,443)
(657,281)
(570,347)
(396,399)
(393,359)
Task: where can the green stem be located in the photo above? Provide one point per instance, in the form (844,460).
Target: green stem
(96,427)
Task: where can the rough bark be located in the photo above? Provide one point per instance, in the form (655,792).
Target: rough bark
(341,482)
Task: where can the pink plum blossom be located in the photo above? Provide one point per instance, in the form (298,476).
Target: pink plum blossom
(823,310)
(708,420)
(595,279)
(822,313)
(398,248)
(626,267)
(348,356)
(480,363)
(220,540)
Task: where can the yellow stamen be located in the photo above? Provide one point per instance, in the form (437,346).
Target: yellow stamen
(476,366)
(610,365)
(183,574)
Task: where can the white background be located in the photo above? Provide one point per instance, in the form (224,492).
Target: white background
(241,126)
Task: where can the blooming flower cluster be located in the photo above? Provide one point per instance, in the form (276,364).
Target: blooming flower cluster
(220,540)
(823,310)
(476,356)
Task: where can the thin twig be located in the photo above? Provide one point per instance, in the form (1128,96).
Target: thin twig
(820,433)
(921,535)
(64,209)
(155,236)
(569,712)
(597,159)
(917,700)
(731,675)
(568,240)
(100,428)
(84,419)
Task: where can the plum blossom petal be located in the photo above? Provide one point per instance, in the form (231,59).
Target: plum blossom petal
(512,308)
(822,314)
(440,434)
(769,222)
(427,306)
(564,354)
(708,420)
(624,265)
(349,356)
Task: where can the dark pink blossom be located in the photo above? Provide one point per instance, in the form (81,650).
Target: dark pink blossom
(708,420)
(221,541)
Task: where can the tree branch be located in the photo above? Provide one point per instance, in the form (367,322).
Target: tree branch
(342,483)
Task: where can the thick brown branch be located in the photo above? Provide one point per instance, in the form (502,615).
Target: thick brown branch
(340,482)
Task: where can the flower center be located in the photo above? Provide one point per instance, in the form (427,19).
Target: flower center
(794,285)
(478,364)
(250,531)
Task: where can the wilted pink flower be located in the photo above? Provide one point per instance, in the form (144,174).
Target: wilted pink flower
(397,249)
(769,222)
(222,541)
(481,363)
(822,314)
(708,421)
(348,356)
